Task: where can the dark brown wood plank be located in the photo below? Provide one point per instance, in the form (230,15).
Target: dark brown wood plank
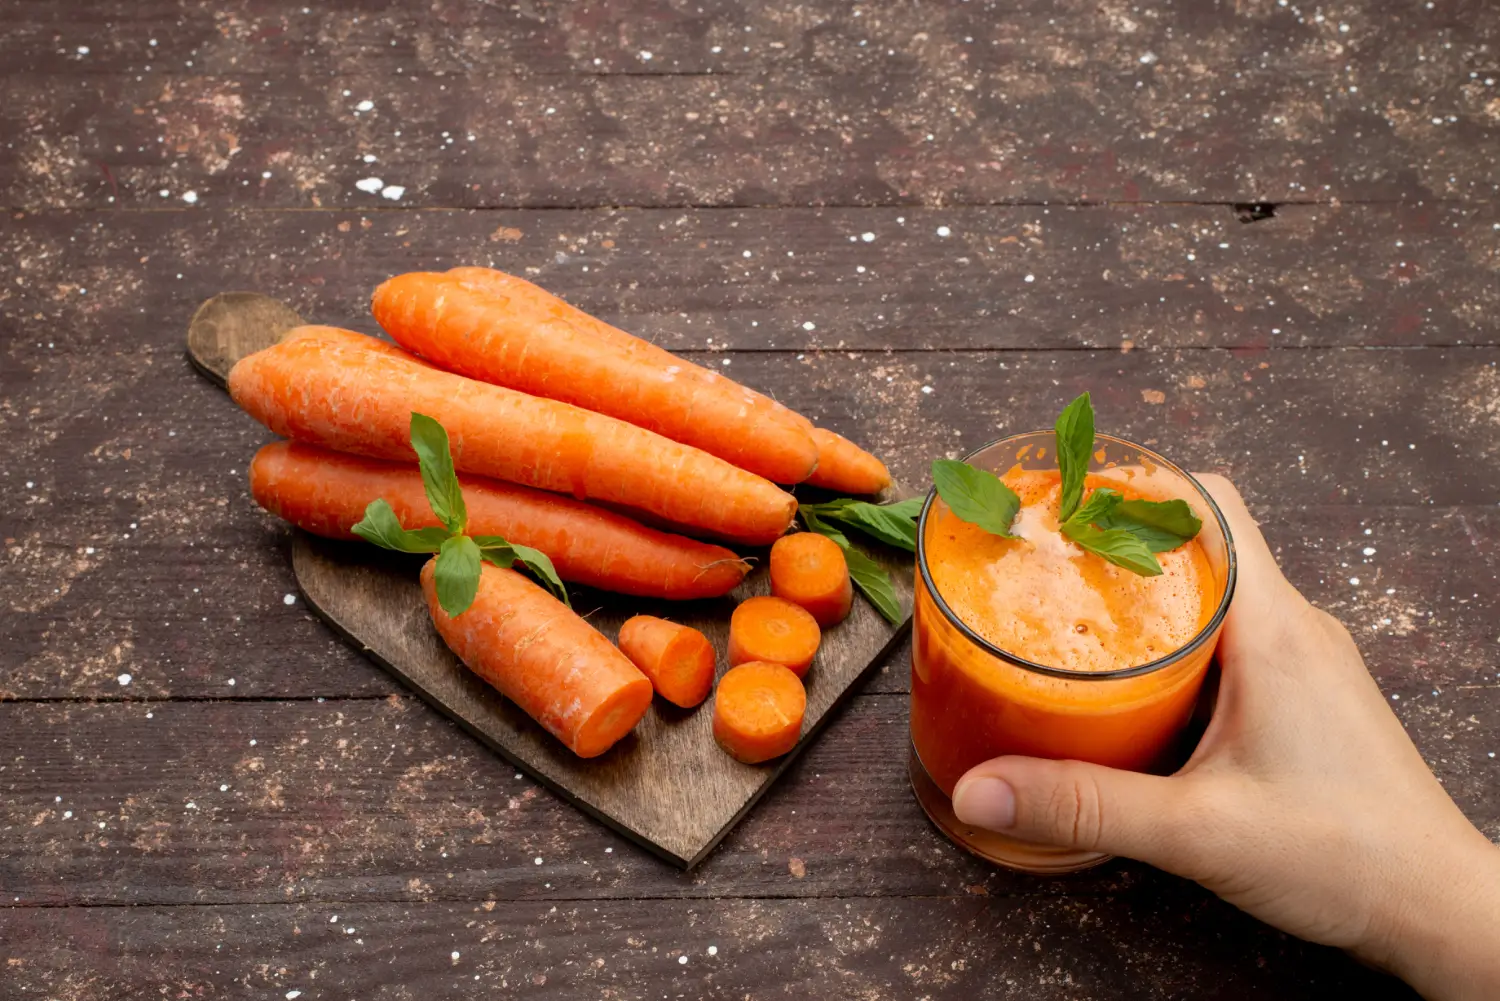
(936,132)
(1167,276)
(722,36)
(373,800)
(1178,945)
(130,453)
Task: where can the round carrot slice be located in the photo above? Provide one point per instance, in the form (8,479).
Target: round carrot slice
(775,631)
(678,659)
(758,711)
(809,570)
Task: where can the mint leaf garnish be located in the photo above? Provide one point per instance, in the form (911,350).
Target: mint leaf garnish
(1161,525)
(456,575)
(381,526)
(976,496)
(495,550)
(874,583)
(1102,501)
(893,524)
(1075,443)
(430,441)
(1116,545)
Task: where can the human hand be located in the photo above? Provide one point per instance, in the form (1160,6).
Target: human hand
(1305,803)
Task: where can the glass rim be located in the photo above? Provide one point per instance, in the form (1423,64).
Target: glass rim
(1201,637)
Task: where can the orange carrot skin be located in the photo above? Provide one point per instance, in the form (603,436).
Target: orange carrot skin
(758,711)
(345,395)
(775,631)
(545,659)
(678,659)
(845,467)
(326,493)
(527,339)
(809,570)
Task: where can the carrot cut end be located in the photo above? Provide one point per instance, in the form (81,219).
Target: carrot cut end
(758,711)
(613,719)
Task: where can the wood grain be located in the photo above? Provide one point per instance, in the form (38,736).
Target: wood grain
(950,949)
(1100,277)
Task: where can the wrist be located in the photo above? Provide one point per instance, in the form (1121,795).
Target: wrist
(1437,926)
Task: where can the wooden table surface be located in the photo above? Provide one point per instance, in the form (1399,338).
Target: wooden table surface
(1265,234)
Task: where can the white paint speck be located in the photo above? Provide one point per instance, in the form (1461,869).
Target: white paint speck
(867,237)
(67,814)
(1147,58)
(809,325)
(746,253)
(1030,278)
(230,682)
(725,363)
(713,950)
(223,787)
(293,995)
(266,174)
(290,599)
(537,860)
(681,960)
(944,231)
(927,390)
(365,106)
(369,158)
(1369,550)
(191,197)
(1354,581)
(392,192)
(453,955)
(124,680)
(645,56)
(83,50)
(369,185)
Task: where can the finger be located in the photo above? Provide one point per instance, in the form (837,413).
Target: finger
(1261,585)
(1074,804)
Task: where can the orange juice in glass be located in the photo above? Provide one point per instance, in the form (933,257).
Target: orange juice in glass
(1030,645)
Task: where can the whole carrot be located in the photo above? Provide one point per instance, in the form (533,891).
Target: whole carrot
(326,493)
(507,331)
(845,467)
(346,395)
(552,664)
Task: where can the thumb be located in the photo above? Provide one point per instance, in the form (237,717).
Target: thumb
(1074,804)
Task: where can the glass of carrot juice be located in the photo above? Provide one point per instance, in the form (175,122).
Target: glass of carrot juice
(1029,645)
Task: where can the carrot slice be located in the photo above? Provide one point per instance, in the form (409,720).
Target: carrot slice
(537,651)
(775,631)
(809,570)
(344,394)
(504,330)
(326,493)
(758,711)
(678,659)
(845,467)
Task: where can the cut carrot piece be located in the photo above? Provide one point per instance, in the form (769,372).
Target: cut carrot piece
(758,711)
(537,651)
(775,631)
(678,659)
(344,394)
(504,330)
(326,493)
(809,570)
(845,467)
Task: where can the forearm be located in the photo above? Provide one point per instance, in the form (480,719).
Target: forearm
(1444,928)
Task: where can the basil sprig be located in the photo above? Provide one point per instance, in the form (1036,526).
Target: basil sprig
(1127,533)
(459,555)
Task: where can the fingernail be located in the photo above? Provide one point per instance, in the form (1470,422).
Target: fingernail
(985,802)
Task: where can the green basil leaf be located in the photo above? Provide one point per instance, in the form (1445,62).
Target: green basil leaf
(1075,445)
(1161,525)
(456,575)
(1116,545)
(909,508)
(1100,503)
(875,584)
(816,524)
(430,441)
(381,526)
(542,569)
(880,521)
(976,496)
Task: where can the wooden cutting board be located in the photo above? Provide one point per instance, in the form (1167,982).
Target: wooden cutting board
(667,786)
